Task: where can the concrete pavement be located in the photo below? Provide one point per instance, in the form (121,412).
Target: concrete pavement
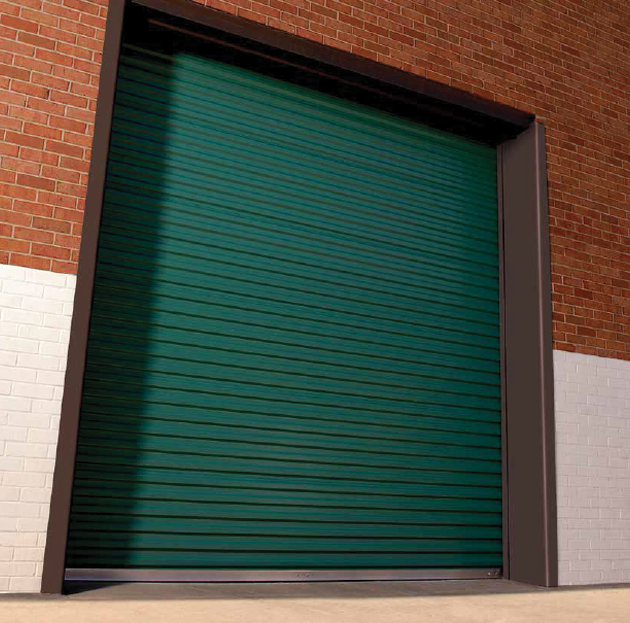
(458,601)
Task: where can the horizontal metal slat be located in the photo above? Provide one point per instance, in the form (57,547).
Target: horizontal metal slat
(269,234)
(211,289)
(287,448)
(225,431)
(280,286)
(219,398)
(178,467)
(146,559)
(284,387)
(255,497)
(425,470)
(156,525)
(275,93)
(171,142)
(194,362)
(192,342)
(220,246)
(389,427)
(276,487)
(190,543)
(150,171)
(153,112)
(172,510)
(237,326)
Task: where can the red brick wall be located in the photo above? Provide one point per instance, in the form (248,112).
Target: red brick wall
(567,61)
(50,54)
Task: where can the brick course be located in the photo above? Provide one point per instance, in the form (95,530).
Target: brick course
(566,61)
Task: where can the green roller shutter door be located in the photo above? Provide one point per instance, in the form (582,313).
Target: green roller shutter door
(293,358)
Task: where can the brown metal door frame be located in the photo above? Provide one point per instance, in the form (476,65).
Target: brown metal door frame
(529,524)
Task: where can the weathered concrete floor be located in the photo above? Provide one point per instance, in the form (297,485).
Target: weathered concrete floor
(481,601)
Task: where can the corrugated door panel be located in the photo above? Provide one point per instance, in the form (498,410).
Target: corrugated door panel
(293,359)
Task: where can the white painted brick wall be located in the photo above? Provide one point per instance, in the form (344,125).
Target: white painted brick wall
(593,465)
(35,312)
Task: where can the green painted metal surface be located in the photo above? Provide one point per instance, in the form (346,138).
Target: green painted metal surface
(293,359)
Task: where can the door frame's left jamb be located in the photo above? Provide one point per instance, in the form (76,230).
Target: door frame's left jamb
(57,534)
